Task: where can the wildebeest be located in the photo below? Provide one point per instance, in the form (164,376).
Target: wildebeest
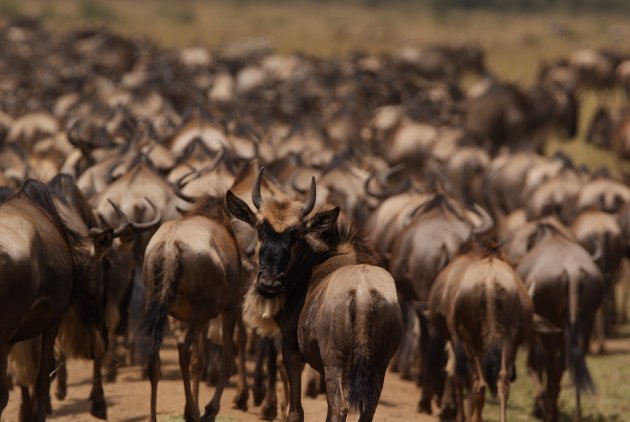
(45,269)
(599,233)
(433,235)
(192,271)
(480,305)
(316,285)
(566,287)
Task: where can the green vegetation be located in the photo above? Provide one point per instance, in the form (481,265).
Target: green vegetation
(96,11)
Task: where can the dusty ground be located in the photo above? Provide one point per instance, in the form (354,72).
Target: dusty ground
(128,398)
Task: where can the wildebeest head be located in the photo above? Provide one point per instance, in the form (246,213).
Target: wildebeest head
(282,227)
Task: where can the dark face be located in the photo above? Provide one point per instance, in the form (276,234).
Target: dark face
(276,253)
(279,248)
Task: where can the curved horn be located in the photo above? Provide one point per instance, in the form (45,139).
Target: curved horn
(411,214)
(149,224)
(256,196)
(177,188)
(486,220)
(122,227)
(310,201)
(293,181)
(383,178)
(369,191)
(215,163)
(110,171)
(403,186)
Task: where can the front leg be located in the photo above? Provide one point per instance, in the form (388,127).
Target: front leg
(293,364)
(98,407)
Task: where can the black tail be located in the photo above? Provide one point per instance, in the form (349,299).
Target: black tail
(154,322)
(492,367)
(364,388)
(461,362)
(576,360)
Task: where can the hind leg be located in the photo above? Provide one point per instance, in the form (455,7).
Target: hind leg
(424,406)
(242,394)
(337,405)
(503,383)
(42,384)
(62,377)
(191,411)
(600,330)
(198,361)
(98,407)
(555,351)
(153,371)
(535,367)
(4,379)
(26,407)
(478,393)
(228,322)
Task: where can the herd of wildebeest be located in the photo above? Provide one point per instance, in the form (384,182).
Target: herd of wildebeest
(360,214)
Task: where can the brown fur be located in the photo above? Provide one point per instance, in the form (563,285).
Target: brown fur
(281,213)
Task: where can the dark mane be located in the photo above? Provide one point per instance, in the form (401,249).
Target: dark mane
(209,206)
(439,200)
(484,248)
(63,188)
(353,234)
(38,194)
(5,193)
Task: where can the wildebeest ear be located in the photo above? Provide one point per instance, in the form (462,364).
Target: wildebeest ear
(102,238)
(239,209)
(544,326)
(323,220)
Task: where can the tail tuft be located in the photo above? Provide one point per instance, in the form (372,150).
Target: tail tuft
(164,274)
(151,330)
(492,367)
(577,363)
(363,388)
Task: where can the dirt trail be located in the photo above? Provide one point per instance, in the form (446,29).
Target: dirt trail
(128,398)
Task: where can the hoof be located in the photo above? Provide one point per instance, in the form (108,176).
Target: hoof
(259,394)
(240,401)
(311,389)
(539,408)
(448,413)
(61,393)
(210,413)
(99,410)
(191,413)
(111,376)
(269,411)
(425,406)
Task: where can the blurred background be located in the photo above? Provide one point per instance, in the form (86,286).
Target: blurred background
(516,33)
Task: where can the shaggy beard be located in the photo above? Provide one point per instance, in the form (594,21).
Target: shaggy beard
(259,312)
